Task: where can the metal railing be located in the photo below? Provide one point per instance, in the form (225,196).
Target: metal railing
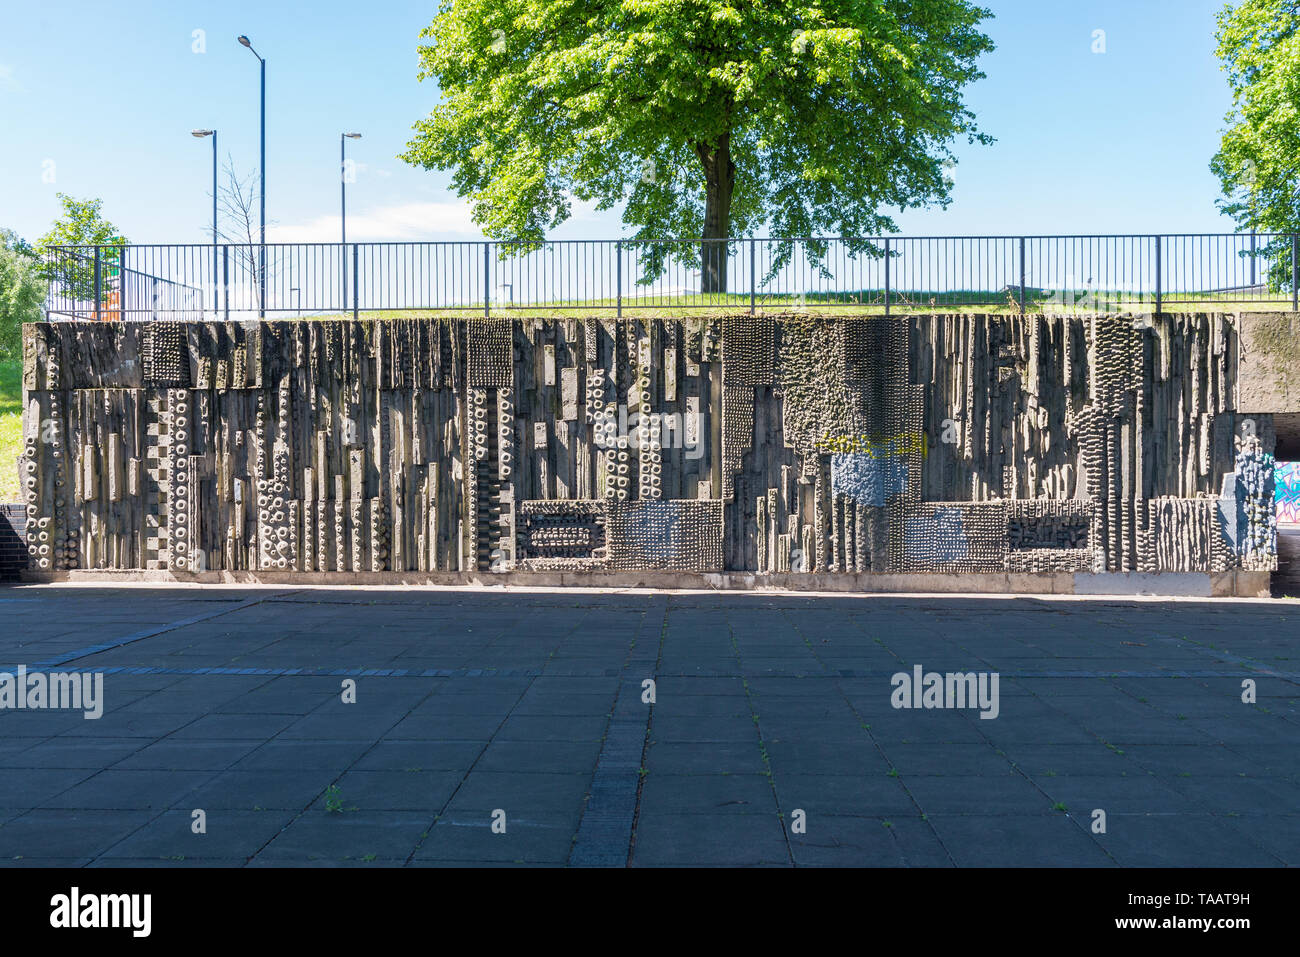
(885,274)
(94,282)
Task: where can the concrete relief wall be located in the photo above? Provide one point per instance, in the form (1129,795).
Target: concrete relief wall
(772,444)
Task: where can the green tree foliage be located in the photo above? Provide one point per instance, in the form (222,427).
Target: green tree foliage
(11,240)
(22,290)
(81,224)
(1258,163)
(706,118)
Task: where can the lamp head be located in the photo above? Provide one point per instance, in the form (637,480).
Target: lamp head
(353,136)
(245,41)
(200,134)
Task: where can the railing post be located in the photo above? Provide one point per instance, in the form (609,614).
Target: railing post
(1159,278)
(487,279)
(225,281)
(886,277)
(618,271)
(753,275)
(48,306)
(98,284)
(1295,272)
(1022,275)
(356,282)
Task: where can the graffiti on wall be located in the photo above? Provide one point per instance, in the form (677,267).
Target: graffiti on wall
(1287,489)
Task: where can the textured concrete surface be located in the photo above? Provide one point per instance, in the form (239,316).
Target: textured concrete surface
(772,738)
(1269,355)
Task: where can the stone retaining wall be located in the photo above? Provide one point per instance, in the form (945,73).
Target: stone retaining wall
(788,445)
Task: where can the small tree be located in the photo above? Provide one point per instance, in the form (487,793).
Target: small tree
(82,224)
(238,223)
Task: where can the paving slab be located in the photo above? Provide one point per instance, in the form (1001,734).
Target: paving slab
(772,738)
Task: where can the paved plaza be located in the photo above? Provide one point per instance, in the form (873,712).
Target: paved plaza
(520,727)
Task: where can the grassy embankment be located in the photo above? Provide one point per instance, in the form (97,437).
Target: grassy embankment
(904,302)
(11,428)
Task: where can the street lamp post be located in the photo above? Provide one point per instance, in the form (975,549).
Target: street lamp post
(201,134)
(343,206)
(261,255)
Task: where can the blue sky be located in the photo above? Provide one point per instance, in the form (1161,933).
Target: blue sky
(103,95)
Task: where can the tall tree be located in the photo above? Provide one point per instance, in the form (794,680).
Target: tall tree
(707,118)
(11,240)
(1258,162)
(22,290)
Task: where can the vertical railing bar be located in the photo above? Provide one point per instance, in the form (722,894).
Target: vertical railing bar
(753,275)
(1022,275)
(98,284)
(1159,277)
(1295,272)
(886,276)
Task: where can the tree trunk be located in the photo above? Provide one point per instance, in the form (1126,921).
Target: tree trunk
(719,179)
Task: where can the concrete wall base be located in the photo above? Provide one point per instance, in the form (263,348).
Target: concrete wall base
(1240,584)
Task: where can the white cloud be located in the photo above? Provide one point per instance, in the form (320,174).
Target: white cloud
(411,222)
(365,169)
(408,221)
(582,210)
